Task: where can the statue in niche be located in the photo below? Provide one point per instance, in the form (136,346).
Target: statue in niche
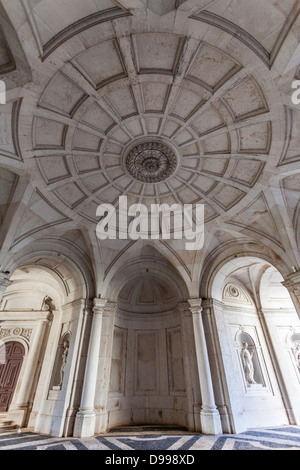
(297,355)
(246,356)
(64,361)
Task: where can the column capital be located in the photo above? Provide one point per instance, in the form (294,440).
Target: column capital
(292,282)
(184,307)
(99,305)
(207,304)
(195,305)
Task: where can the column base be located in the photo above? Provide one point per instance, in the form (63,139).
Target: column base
(210,422)
(85,424)
(19,415)
(101,422)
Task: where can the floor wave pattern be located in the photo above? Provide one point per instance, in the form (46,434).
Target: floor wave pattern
(283,438)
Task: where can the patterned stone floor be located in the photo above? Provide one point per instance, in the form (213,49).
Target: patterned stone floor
(284,438)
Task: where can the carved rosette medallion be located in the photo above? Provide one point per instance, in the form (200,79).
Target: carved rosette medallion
(151,162)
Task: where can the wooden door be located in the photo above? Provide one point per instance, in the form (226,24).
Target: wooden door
(11,354)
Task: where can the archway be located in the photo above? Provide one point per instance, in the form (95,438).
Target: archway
(148,380)
(43,306)
(254,316)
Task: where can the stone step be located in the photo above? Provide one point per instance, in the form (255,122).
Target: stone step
(6,424)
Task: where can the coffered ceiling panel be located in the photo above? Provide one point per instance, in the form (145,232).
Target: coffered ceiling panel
(163,102)
(201,131)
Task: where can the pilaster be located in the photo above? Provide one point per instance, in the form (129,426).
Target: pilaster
(209,414)
(86,416)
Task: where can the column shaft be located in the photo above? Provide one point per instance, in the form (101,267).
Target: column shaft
(86,417)
(210,418)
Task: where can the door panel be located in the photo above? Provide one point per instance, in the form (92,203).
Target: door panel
(12,354)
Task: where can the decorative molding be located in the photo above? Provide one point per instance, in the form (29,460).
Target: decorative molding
(15,127)
(16,71)
(242,35)
(61,218)
(10,65)
(151,162)
(99,305)
(81,25)
(236,31)
(289,123)
(162,8)
(195,306)
(292,17)
(234,293)
(16,331)
(252,225)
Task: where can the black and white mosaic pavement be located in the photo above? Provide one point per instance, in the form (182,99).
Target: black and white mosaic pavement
(285,438)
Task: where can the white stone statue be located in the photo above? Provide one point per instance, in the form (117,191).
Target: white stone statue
(246,356)
(297,355)
(64,361)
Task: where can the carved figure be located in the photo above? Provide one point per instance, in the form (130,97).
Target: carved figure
(64,361)
(246,356)
(297,355)
(47,304)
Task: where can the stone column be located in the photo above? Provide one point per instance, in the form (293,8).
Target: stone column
(4,284)
(20,411)
(209,414)
(292,283)
(217,369)
(190,364)
(86,416)
(105,358)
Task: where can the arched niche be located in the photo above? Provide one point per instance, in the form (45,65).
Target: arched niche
(248,332)
(148,383)
(60,361)
(237,256)
(241,271)
(250,361)
(46,275)
(150,265)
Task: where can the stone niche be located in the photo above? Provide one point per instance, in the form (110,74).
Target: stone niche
(59,364)
(250,363)
(147,382)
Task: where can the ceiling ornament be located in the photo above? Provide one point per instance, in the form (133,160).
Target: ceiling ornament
(151,162)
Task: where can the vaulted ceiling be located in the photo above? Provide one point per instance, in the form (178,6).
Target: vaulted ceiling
(88,81)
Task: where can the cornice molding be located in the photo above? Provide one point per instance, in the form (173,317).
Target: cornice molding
(81,25)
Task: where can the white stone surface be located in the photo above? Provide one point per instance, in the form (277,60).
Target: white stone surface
(86,83)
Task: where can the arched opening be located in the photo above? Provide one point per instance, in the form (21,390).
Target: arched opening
(43,308)
(148,380)
(258,331)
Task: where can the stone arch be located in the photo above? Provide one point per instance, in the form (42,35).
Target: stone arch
(74,280)
(148,345)
(244,292)
(149,264)
(212,265)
